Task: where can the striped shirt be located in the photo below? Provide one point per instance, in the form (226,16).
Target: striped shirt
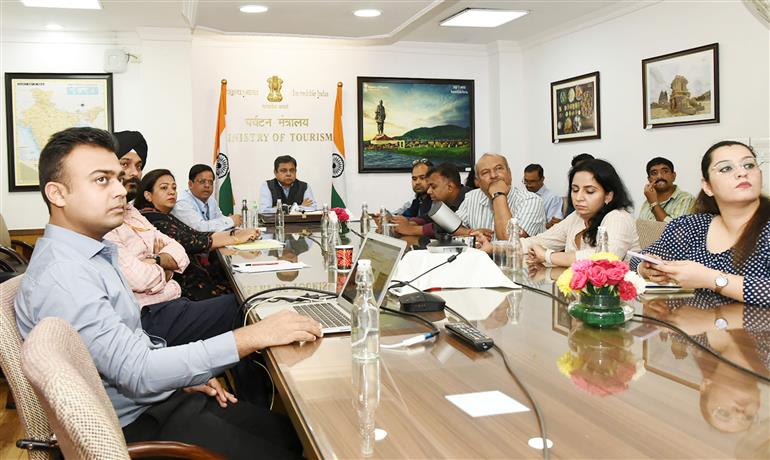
(679,204)
(476,210)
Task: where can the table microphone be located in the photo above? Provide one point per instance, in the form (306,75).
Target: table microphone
(422,301)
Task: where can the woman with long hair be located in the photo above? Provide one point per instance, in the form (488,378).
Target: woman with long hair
(203,278)
(600,199)
(725,245)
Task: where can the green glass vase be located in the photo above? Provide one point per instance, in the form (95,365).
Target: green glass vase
(600,310)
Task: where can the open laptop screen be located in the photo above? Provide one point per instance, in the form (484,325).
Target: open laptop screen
(384,258)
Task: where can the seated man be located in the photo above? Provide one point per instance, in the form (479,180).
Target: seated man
(488,208)
(534,181)
(443,185)
(664,200)
(197,208)
(74,275)
(420,205)
(285,187)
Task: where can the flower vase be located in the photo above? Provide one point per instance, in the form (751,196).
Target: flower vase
(344,228)
(600,310)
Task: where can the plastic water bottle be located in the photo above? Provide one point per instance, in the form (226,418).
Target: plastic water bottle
(245,214)
(384,221)
(602,240)
(255,214)
(365,317)
(280,217)
(325,221)
(364,219)
(516,254)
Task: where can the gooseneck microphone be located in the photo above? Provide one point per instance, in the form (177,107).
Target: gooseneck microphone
(398,284)
(420,301)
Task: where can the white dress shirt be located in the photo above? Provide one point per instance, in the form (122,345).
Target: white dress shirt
(204,217)
(476,210)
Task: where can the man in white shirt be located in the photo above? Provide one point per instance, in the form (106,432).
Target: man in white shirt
(484,210)
(286,187)
(197,207)
(534,181)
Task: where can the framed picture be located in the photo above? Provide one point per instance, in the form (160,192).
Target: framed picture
(38,105)
(401,120)
(575,109)
(681,88)
(561,321)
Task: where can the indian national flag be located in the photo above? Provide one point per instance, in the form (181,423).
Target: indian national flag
(339,192)
(223,188)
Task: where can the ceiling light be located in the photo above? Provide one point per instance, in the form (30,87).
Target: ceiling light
(253,9)
(74,4)
(54,27)
(367,13)
(475,17)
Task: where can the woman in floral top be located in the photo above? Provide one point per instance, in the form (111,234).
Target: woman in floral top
(204,277)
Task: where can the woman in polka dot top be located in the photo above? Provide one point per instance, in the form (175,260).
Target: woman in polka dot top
(725,246)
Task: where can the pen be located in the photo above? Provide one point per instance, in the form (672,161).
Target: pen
(256,264)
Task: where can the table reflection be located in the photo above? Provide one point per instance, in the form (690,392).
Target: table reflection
(365,379)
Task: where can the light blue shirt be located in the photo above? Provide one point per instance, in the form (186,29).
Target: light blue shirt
(74,277)
(204,217)
(552,203)
(266,199)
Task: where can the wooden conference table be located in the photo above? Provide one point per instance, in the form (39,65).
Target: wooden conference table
(640,391)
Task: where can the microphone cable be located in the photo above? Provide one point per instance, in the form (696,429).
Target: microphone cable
(398,284)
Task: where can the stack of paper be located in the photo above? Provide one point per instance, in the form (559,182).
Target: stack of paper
(268,266)
(258,245)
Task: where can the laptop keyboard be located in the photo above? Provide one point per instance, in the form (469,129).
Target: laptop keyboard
(326,313)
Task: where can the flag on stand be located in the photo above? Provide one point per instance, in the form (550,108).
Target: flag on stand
(223,188)
(339,193)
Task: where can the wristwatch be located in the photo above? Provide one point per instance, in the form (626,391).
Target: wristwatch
(720,282)
(157,259)
(496,194)
(653,204)
(720,322)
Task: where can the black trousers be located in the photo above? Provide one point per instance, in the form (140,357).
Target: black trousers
(241,430)
(182,321)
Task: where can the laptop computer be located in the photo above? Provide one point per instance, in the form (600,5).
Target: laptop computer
(334,315)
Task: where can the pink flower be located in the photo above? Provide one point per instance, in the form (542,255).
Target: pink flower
(626,290)
(597,276)
(581,265)
(342,215)
(615,275)
(578,280)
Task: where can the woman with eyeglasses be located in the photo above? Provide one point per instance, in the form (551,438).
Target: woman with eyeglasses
(725,246)
(203,278)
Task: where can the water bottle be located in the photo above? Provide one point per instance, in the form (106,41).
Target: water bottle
(255,215)
(364,219)
(384,221)
(364,318)
(280,217)
(366,384)
(325,221)
(245,214)
(602,240)
(516,254)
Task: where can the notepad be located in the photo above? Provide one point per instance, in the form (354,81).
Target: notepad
(272,266)
(257,245)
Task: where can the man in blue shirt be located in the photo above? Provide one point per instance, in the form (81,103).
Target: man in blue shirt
(197,207)
(534,181)
(74,275)
(285,187)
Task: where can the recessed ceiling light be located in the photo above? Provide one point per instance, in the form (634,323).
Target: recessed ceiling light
(476,17)
(370,13)
(253,9)
(54,27)
(74,4)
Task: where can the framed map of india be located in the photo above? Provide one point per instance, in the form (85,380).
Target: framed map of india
(39,105)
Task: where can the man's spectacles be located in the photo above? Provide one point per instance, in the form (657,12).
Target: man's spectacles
(424,161)
(530,182)
(728,167)
(204,181)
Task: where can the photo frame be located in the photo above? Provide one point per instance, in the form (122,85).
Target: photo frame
(575,109)
(681,88)
(39,104)
(401,120)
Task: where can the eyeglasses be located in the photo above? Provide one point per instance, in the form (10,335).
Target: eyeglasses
(204,181)
(530,182)
(424,161)
(728,167)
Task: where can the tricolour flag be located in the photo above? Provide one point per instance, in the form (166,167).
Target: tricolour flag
(223,188)
(339,193)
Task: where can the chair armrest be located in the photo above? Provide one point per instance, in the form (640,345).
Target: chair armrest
(171,449)
(26,248)
(13,254)
(5,267)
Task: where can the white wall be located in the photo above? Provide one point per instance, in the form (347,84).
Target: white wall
(616,49)
(153,97)
(247,62)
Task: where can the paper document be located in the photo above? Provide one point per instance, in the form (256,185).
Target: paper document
(268,266)
(257,245)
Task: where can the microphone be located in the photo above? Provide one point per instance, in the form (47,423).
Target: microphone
(422,301)
(443,216)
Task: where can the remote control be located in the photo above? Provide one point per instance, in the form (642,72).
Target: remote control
(471,335)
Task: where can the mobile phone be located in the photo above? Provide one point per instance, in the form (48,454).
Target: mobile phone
(646,258)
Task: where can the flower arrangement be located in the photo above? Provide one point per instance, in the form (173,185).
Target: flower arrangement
(342,215)
(601,275)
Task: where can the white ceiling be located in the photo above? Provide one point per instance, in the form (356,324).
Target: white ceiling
(407,20)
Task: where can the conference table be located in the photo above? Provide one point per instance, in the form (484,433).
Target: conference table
(638,391)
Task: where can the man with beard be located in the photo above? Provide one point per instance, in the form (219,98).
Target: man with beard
(421,203)
(132,154)
(665,200)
